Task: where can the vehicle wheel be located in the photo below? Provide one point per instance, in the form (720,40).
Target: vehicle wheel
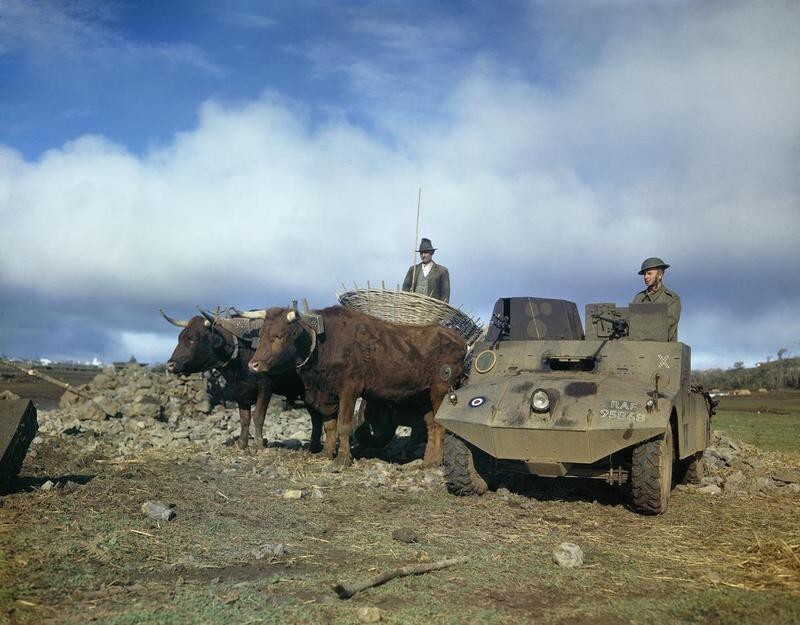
(459,468)
(691,470)
(651,474)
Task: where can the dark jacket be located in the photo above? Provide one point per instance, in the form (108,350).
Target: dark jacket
(438,281)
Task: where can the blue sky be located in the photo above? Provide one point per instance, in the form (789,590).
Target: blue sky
(168,154)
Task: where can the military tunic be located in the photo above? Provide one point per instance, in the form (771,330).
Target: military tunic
(663,296)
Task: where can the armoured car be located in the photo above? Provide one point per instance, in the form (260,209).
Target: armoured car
(550,397)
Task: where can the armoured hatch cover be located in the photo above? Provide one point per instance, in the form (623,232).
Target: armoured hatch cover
(537,318)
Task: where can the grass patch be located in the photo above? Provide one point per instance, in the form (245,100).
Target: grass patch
(770,421)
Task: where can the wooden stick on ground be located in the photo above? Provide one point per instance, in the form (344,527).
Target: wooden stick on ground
(345,591)
(67,387)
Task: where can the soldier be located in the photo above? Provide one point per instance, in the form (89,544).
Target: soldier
(656,293)
(428,277)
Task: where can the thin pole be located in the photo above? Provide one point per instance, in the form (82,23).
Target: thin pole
(416,238)
(58,383)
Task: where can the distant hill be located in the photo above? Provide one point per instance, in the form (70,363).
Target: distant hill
(777,374)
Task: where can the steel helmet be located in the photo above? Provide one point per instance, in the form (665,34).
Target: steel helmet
(652,263)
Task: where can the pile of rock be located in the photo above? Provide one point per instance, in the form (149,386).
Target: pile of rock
(131,435)
(735,468)
(141,392)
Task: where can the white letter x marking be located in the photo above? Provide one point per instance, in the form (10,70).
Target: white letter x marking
(662,361)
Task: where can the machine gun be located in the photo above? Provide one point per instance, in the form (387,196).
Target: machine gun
(501,323)
(619,326)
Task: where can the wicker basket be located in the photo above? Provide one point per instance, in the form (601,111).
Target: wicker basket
(411,309)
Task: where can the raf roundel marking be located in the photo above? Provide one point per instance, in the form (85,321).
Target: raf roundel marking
(476,401)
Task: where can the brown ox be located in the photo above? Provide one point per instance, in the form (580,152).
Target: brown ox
(209,342)
(410,367)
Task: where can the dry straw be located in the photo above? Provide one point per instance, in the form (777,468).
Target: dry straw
(411,309)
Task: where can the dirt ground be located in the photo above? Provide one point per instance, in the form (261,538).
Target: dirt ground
(43,394)
(86,552)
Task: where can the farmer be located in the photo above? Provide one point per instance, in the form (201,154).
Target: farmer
(428,277)
(656,293)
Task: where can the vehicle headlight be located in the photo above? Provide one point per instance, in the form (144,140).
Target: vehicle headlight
(540,401)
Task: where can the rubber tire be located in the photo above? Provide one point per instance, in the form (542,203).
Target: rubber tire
(459,469)
(691,470)
(651,474)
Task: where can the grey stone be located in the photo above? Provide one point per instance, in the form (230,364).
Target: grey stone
(412,466)
(721,455)
(405,535)
(158,510)
(144,410)
(568,555)
(68,399)
(368,614)
(787,476)
(89,411)
(765,484)
(269,550)
(735,479)
(710,489)
(100,380)
(67,486)
(108,406)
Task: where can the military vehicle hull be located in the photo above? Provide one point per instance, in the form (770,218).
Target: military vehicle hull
(599,399)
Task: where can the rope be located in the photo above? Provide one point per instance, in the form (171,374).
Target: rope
(313,347)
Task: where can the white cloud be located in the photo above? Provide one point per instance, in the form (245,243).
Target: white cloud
(680,142)
(145,346)
(730,340)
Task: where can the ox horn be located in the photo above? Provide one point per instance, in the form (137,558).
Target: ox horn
(292,316)
(252,314)
(209,317)
(175,322)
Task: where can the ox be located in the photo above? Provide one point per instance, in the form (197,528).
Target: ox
(410,368)
(210,342)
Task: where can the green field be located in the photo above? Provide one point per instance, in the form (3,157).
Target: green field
(770,421)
